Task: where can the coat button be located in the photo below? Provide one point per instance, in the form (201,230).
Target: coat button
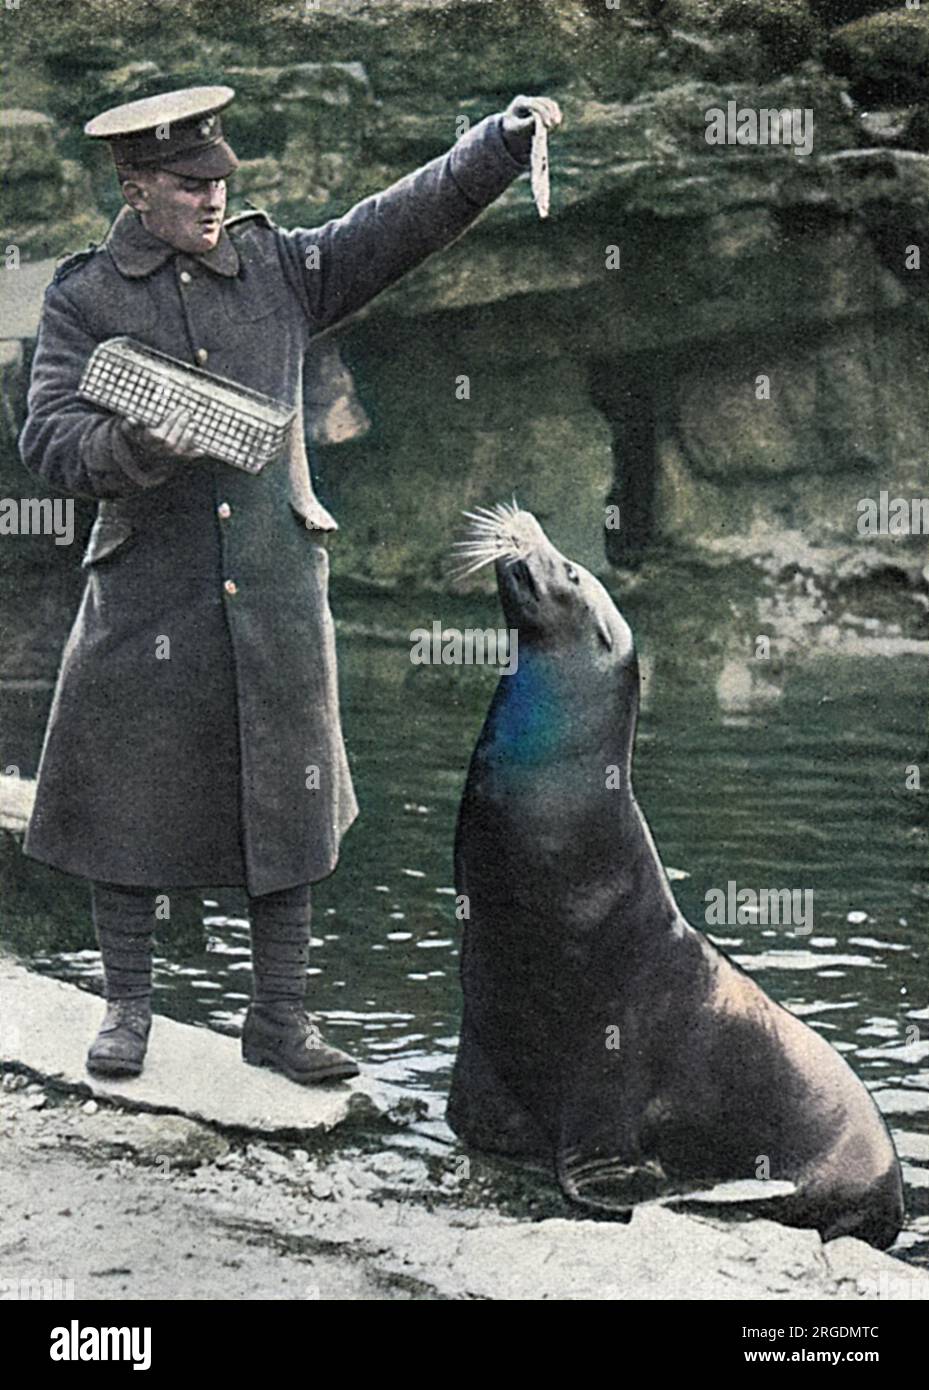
(185,277)
(231,587)
(224,510)
(202,356)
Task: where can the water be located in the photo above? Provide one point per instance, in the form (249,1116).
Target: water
(789,772)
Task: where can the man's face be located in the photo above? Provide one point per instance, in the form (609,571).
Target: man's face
(187,213)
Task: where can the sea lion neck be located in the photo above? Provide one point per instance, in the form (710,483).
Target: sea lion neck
(554,709)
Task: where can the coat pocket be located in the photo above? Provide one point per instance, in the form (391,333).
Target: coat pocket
(316,548)
(318,536)
(109,534)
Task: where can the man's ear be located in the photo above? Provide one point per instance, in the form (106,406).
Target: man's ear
(136,195)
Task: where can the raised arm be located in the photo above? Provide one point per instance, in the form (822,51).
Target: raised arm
(338,267)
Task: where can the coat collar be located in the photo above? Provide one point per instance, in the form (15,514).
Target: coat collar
(137,252)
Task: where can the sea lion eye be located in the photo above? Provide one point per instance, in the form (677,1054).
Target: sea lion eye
(572,574)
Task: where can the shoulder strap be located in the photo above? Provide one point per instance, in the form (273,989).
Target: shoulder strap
(73,262)
(249,215)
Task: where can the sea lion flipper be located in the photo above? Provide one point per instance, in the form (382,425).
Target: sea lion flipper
(483,1111)
(603,1183)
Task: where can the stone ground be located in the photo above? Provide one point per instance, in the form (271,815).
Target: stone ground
(45,1025)
(129,1202)
(136,1206)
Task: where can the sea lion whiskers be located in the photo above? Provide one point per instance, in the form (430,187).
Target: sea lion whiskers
(494,534)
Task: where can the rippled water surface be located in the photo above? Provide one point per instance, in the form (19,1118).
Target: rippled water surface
(794,778)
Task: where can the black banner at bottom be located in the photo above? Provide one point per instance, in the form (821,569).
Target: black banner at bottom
(166,1339)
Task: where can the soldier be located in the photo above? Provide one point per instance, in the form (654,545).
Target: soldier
(194,737)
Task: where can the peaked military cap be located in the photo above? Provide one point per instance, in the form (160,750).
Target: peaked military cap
(178,131)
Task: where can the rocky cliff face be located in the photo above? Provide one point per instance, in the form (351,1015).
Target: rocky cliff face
(728,341)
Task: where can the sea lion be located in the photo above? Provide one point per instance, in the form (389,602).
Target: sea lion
(602,1034)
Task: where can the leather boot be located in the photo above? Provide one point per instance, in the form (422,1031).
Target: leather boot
(284,1037)
(119,1047)
(278,1032)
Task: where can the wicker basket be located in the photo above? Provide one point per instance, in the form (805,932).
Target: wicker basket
(230,422)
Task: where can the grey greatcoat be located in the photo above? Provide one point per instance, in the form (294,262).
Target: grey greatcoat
(194,736)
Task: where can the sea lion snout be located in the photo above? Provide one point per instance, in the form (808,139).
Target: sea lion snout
(541,591)
(539,575)
(520,574)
